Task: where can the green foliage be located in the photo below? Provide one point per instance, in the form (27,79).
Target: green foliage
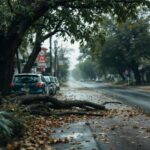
(80,19)
(78,12)
(76,74)
(112,56)
(131,46)
(85,70)
(125,47)
(9,127)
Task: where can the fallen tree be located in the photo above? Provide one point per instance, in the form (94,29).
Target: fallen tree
(43,105)
(49,105)
(57,104)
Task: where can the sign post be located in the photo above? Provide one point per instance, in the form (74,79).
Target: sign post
(42,59)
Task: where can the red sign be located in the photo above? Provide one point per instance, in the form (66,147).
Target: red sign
(42,55)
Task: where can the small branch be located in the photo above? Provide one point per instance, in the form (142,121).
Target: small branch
(54,31)
(64,30)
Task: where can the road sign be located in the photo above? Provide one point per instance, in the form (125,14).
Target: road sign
(42,55)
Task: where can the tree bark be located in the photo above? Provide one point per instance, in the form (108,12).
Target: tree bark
(55,103)
(121,75)
(10,40)
(18,62)
(37,47)
(137,75)
(134,66)
(34,54)
(9,44)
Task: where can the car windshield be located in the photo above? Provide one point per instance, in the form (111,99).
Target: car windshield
(26,79)
(47,79)
(56,80)
(52,79)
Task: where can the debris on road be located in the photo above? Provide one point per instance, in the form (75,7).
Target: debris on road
(120,127)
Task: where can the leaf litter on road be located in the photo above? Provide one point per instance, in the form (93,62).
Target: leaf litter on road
(39,129)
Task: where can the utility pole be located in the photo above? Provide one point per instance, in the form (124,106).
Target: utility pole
(55,61)
(50,54)
(18,62)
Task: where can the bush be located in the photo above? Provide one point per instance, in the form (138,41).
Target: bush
(10,127)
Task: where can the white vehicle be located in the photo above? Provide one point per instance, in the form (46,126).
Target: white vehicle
(51,85)
(57,83)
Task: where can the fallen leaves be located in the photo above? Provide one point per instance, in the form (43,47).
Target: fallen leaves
(38,133)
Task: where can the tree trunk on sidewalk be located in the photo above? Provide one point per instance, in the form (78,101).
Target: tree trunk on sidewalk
(37,47)
(11,38)
(34,54)
(18,62)
(121,75)
(137,75)
(9,44)
(136,72)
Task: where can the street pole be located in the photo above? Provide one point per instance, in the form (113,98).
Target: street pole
(55,61)
(18,62)
(50,54)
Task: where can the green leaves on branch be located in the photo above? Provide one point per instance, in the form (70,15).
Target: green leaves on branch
(9,127)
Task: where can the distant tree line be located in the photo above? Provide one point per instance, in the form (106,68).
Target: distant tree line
(122,49)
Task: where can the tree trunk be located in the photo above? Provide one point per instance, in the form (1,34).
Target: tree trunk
(18,62)
(121,75)
(10,40)
(6,73)
(55,103)
(34,54)
(137,74)
(9,44)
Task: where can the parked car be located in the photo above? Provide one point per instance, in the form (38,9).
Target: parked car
(51,84)
(29,83)
(57,83)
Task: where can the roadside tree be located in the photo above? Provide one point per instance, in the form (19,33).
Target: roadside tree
(127,47)
(86,69)
(18,16)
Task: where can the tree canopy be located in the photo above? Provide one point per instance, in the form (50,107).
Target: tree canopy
(19,15)
(85,70)
(126,46)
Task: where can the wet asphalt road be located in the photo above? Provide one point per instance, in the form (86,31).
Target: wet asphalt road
(129,96)
(125,129)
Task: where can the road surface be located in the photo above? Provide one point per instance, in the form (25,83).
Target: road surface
(121,128)
(130,96)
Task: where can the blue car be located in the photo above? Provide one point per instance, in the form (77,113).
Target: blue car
(29,83)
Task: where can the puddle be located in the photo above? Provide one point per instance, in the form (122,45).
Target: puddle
(79,135)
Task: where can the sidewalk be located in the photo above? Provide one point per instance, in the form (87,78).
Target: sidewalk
(145,88)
